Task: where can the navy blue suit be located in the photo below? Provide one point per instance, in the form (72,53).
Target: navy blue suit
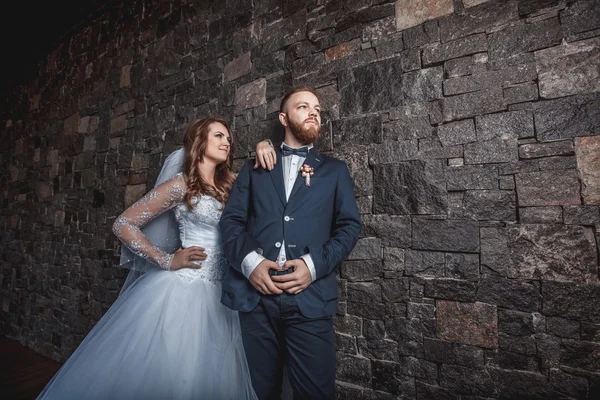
(323,221)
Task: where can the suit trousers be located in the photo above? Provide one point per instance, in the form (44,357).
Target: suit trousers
(276,333)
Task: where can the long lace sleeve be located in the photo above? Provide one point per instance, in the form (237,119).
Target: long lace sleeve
(127,226)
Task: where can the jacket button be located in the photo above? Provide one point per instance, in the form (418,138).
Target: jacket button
(278,244)
(286,218)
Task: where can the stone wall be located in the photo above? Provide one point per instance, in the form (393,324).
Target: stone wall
(471,129)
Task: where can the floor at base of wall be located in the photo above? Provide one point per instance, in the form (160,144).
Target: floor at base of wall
(23,372)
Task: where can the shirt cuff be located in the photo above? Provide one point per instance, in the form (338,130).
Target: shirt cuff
(250,262)
(311,265)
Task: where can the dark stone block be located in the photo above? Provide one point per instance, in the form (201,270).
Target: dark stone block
(469,65)
(548,188)
(459,132)
(581,215)
(445,235)
(516,323)
(523,37)
(487,205)
(564,328)
(541,215)
(424,263)
(520,384)
(513,361)
(580,16)
(449,289)
(590,332)
(376,86)
(390,152)
(567,117)
(510,294)
(365,270)
(437,52)
(490,79)
(387,376)
(395,290)
(432,392)
(421,311)
(569,385)
(356,131)
(517,344)
(417,36)
(431,148)
(345,343)
(580,355)
(469,381)
(348,324)
(356,370)
(366,249)
(519,93)
(427,195)
(478,19)
(462,266)
(438,351)
(472,104)
(536,150)
(379,349)
(373,329)
(578,302)
(472,177)
(407,128)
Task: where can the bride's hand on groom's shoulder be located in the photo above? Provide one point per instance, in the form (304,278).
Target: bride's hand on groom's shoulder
(183,258)
(296,281)
(265,155)
(261,280)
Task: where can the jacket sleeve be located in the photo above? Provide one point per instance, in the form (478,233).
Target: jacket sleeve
(346,228)
(237,243)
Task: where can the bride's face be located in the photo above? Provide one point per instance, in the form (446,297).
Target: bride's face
(218,143)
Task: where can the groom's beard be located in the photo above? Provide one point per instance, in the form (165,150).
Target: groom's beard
(306,133)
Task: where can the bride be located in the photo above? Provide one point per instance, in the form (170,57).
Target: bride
(167,336)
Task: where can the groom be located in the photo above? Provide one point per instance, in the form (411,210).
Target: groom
(284,232)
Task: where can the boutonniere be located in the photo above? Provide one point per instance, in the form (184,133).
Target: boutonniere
(307,171)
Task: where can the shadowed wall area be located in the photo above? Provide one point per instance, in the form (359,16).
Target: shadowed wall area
(471,129)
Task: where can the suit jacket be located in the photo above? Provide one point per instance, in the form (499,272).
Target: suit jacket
(321,219)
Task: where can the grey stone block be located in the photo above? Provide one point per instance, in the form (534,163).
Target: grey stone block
(407,128)
(537,150)
(548,188)
(459,132)
(567,117)
(394,230)
(437,52)
(510,293)
(356,131)
(478,19)
(524,37)
(569,68)
(472,177)
(445,235)
(472,104)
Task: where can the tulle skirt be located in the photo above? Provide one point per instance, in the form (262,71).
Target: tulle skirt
(164,338)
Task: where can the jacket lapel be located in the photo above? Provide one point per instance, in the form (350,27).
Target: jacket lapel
(277,176)
(313,160)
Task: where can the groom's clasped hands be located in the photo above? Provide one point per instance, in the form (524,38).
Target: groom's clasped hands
(292,283)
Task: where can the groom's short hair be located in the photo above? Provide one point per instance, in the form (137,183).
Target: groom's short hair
(293,91)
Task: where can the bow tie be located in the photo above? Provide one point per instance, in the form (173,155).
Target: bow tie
(288,151)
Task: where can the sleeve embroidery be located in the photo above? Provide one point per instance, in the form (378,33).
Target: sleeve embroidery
(127,226)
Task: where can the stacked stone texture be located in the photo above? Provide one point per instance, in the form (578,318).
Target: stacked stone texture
(471,129)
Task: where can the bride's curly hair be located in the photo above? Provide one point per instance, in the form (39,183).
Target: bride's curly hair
(194,144)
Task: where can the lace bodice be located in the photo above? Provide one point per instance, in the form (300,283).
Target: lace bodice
(197,227)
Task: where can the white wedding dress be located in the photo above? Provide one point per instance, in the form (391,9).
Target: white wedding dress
(167,336)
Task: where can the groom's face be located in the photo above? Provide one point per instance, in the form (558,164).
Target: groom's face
(303,116)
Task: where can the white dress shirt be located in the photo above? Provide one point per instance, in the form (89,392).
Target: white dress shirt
(291,168)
